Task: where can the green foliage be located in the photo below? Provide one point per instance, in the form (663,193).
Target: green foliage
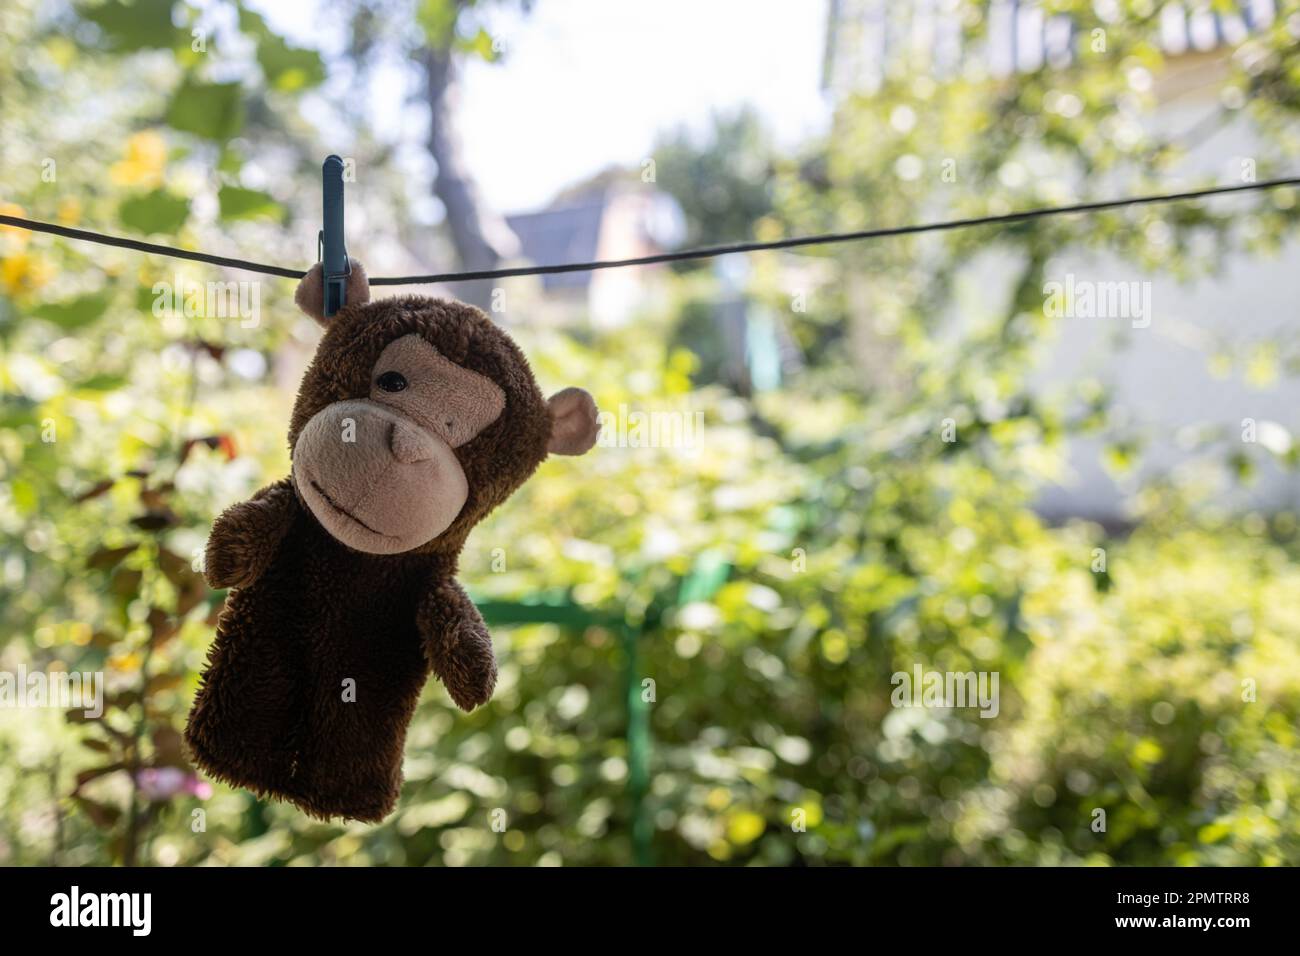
(239,203)
(137,25)
(287,68)
(452,24)
(158,211)
(73,313)
(211,110)
(723,183)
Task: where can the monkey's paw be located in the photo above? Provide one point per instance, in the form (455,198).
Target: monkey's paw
(469,671)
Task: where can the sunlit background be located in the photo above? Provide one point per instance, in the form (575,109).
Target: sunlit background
(867,460)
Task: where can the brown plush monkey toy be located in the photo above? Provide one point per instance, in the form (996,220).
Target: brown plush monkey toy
(416,418)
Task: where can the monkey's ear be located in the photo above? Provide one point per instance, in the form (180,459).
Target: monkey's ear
(574,425)
(311,290)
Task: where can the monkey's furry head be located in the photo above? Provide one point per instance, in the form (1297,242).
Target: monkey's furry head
(416,418)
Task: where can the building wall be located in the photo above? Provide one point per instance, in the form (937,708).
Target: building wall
(1165,381)
(1171,377)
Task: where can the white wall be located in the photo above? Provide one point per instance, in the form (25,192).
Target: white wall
(1161,375)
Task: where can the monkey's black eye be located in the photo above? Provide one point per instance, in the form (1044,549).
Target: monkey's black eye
(391,381)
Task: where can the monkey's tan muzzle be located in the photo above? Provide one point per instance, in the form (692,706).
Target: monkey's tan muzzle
(376,480)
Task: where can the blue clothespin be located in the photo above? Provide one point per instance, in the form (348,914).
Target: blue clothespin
(333,253)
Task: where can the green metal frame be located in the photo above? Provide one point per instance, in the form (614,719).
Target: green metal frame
(709,572)
(564,612)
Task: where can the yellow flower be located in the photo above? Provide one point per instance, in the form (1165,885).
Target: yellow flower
(146,155)
(23,273)
(69,210)
(13,235)
(125,663)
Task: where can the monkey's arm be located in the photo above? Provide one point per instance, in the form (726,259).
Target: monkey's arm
(245,537)
(457,644)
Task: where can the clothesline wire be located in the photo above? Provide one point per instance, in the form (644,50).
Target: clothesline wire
(681,255)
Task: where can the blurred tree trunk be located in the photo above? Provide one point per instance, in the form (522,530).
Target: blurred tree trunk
(481,237)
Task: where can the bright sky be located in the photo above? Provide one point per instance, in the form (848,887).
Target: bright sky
(588,83)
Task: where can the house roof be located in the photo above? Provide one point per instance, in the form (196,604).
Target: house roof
(567,234)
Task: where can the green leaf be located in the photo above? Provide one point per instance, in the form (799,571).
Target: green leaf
(101,383)
(212,110)
(239,203)
(24,496)
(289,68)
(158,211)
(1213,832)
(17,411)
(437,18)
(74,313)
(137,25)
(252,22)
(480,45)
(230,162)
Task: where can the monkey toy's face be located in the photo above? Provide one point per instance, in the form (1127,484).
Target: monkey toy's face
(416,418)
(380,472)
